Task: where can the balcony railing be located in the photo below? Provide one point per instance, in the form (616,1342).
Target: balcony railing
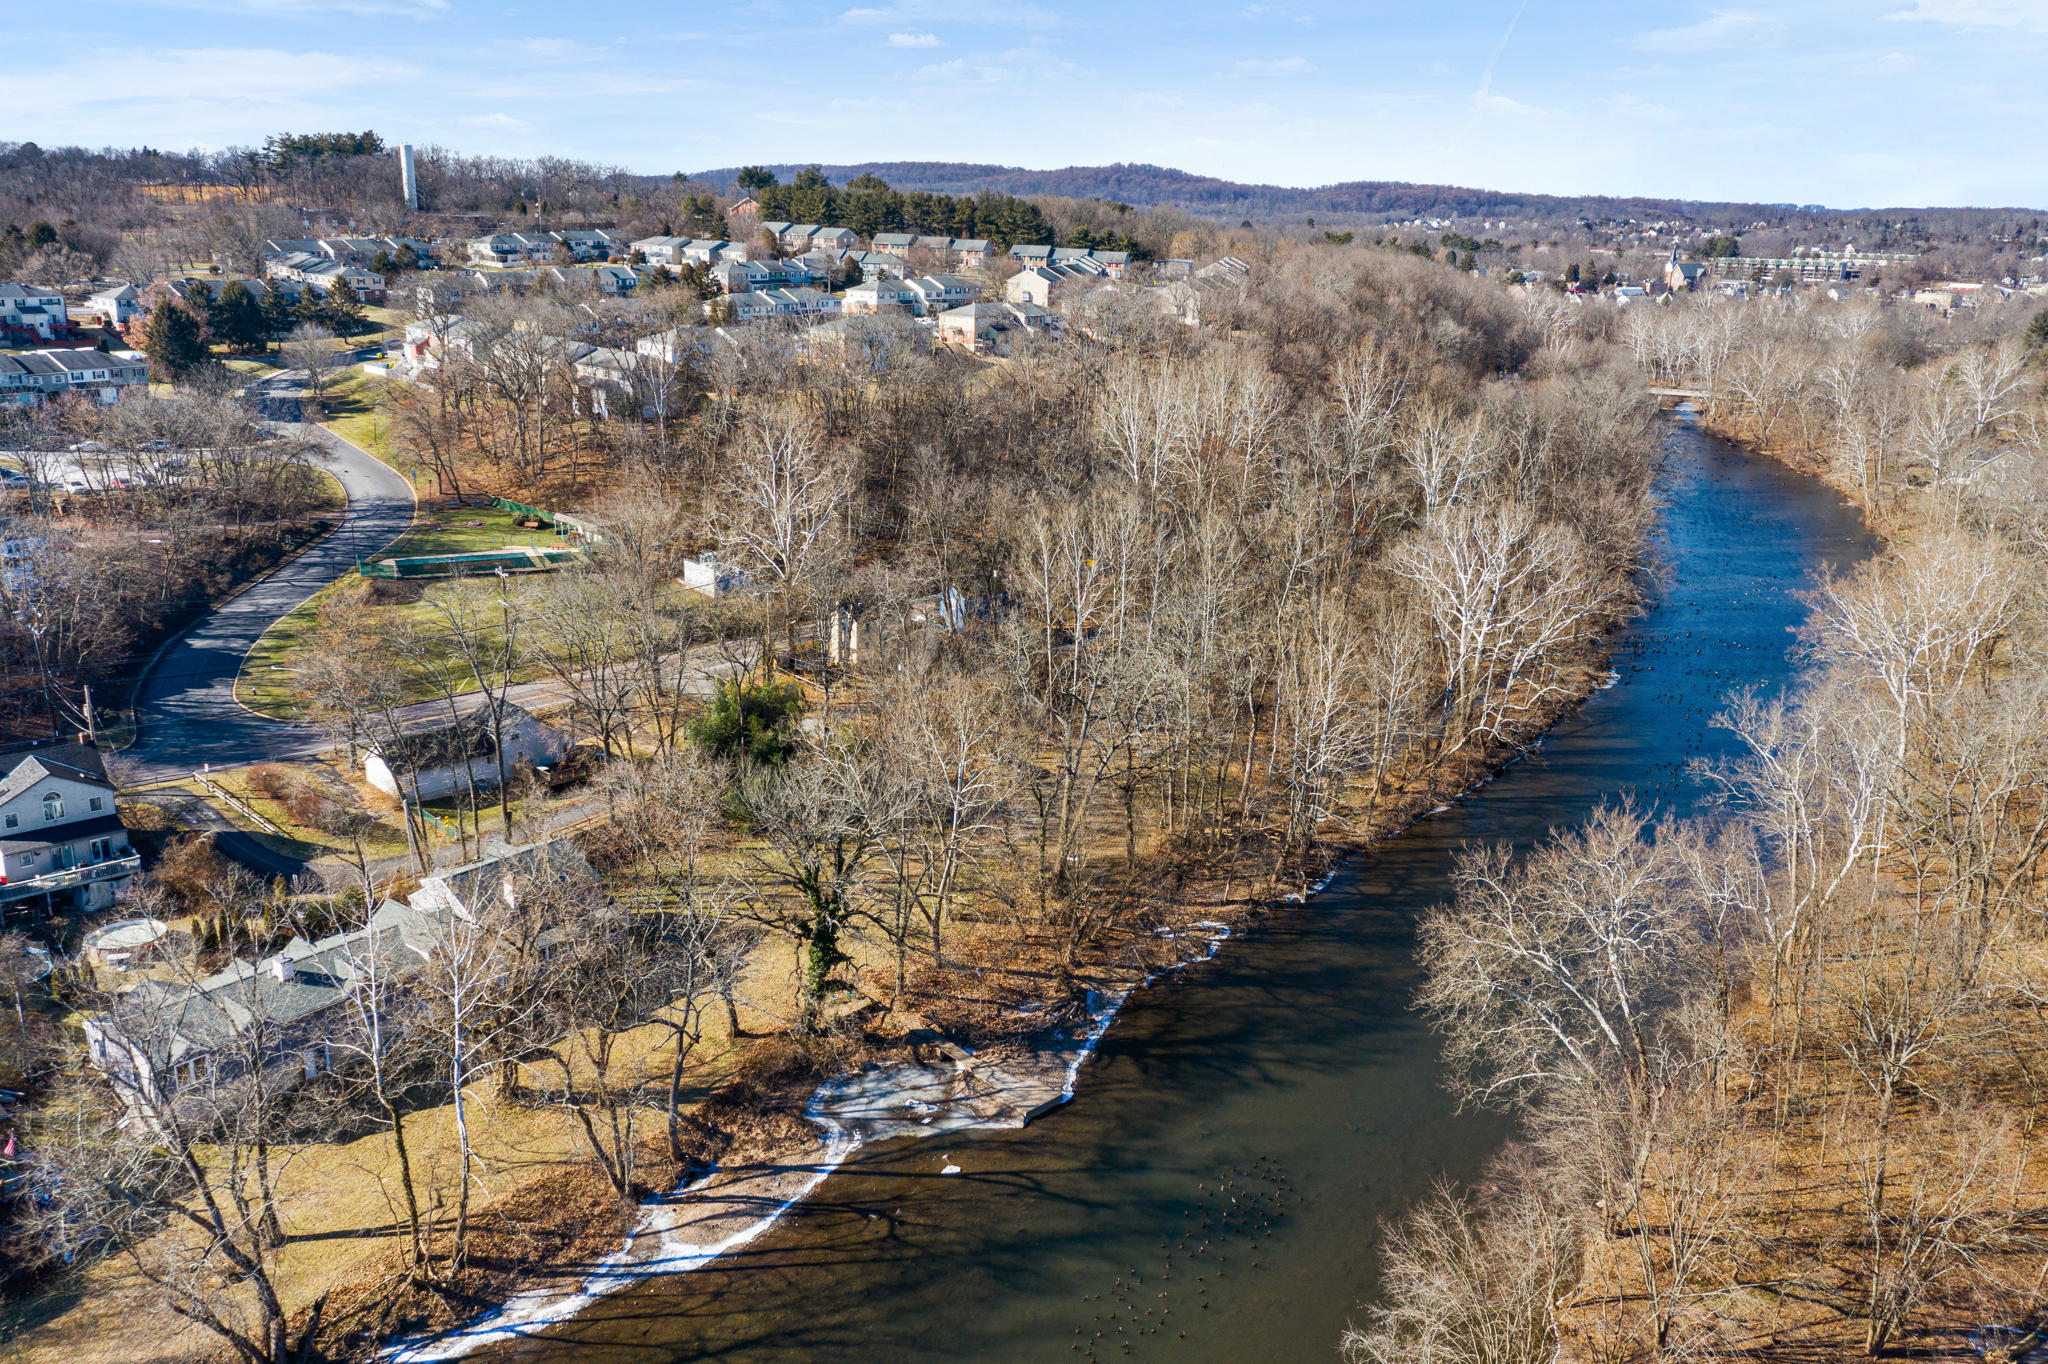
(66,877)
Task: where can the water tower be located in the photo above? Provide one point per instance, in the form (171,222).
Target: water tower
(408,177)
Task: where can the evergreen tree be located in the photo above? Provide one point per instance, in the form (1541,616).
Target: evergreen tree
(236,318)
(754,179)
(173,340)
(2037,330)
(278,314)
(345,312)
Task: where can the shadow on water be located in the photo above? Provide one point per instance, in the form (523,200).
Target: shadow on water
(1213,1191)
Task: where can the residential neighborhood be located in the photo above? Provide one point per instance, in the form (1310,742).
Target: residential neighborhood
(548,703)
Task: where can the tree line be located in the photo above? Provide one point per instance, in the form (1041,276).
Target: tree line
(1776,1067)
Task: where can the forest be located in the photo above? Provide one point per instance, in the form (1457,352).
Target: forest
(1777,1068)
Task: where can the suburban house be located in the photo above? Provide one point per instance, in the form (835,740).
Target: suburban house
(1226,270)
(746,207)
(116,306)
(1054,283)
(429,764)
(613,281)
(833,239)
(879,295)
(31,312)
(199,293)
(676,346)
(992,328)
(941,293)
(1113,263)
(760,304)
(511,248)
(877,263)
(327,274)
(63,845)
(287,1015)
(752,276)
(29,377)
(870,342)
(966,253)
(353,250)
(591,243)
(675,252)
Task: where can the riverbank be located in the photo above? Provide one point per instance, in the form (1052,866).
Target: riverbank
(1288,1071)
(1019,1053)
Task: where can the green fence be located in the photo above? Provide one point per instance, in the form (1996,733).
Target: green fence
(562,522)
(512,559)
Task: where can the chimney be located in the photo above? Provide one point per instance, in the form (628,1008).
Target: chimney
(287,970)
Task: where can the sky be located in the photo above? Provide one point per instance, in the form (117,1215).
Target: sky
(1849,103)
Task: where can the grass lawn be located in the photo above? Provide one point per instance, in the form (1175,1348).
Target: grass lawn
(265,681)
(354,413)
(385,838)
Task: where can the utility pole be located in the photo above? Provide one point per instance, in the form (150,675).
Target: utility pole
(498,706)
(92,729)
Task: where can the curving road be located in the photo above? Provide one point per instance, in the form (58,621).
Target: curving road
(185,708)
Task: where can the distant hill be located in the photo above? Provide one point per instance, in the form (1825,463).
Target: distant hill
(1150,186)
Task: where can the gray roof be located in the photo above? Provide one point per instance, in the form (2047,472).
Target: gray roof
(78,762)
(168,1021)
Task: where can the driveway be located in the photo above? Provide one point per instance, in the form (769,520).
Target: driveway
(185,708)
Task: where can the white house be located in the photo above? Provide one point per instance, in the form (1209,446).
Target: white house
(61,843)
(119,305)
(29,377)
(878,295)
(31,311)
(941,293)
(429,764)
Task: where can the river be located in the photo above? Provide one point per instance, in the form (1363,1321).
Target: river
(1215,1186)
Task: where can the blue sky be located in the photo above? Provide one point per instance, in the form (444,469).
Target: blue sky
(1843,102)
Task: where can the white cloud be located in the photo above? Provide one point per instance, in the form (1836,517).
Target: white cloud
(249,73)
(1012,14)
(1000,68)
(1276,66)
(914,40)
(1276,13)
(557,49)
(1724,28)
(409,9)
(1979,14)
(496,123)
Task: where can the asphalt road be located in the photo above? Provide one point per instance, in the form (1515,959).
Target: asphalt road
(185,709)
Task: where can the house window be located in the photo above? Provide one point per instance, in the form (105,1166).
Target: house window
(14,821)
(28,859)
(101,849)
(95,803)
(53,805)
